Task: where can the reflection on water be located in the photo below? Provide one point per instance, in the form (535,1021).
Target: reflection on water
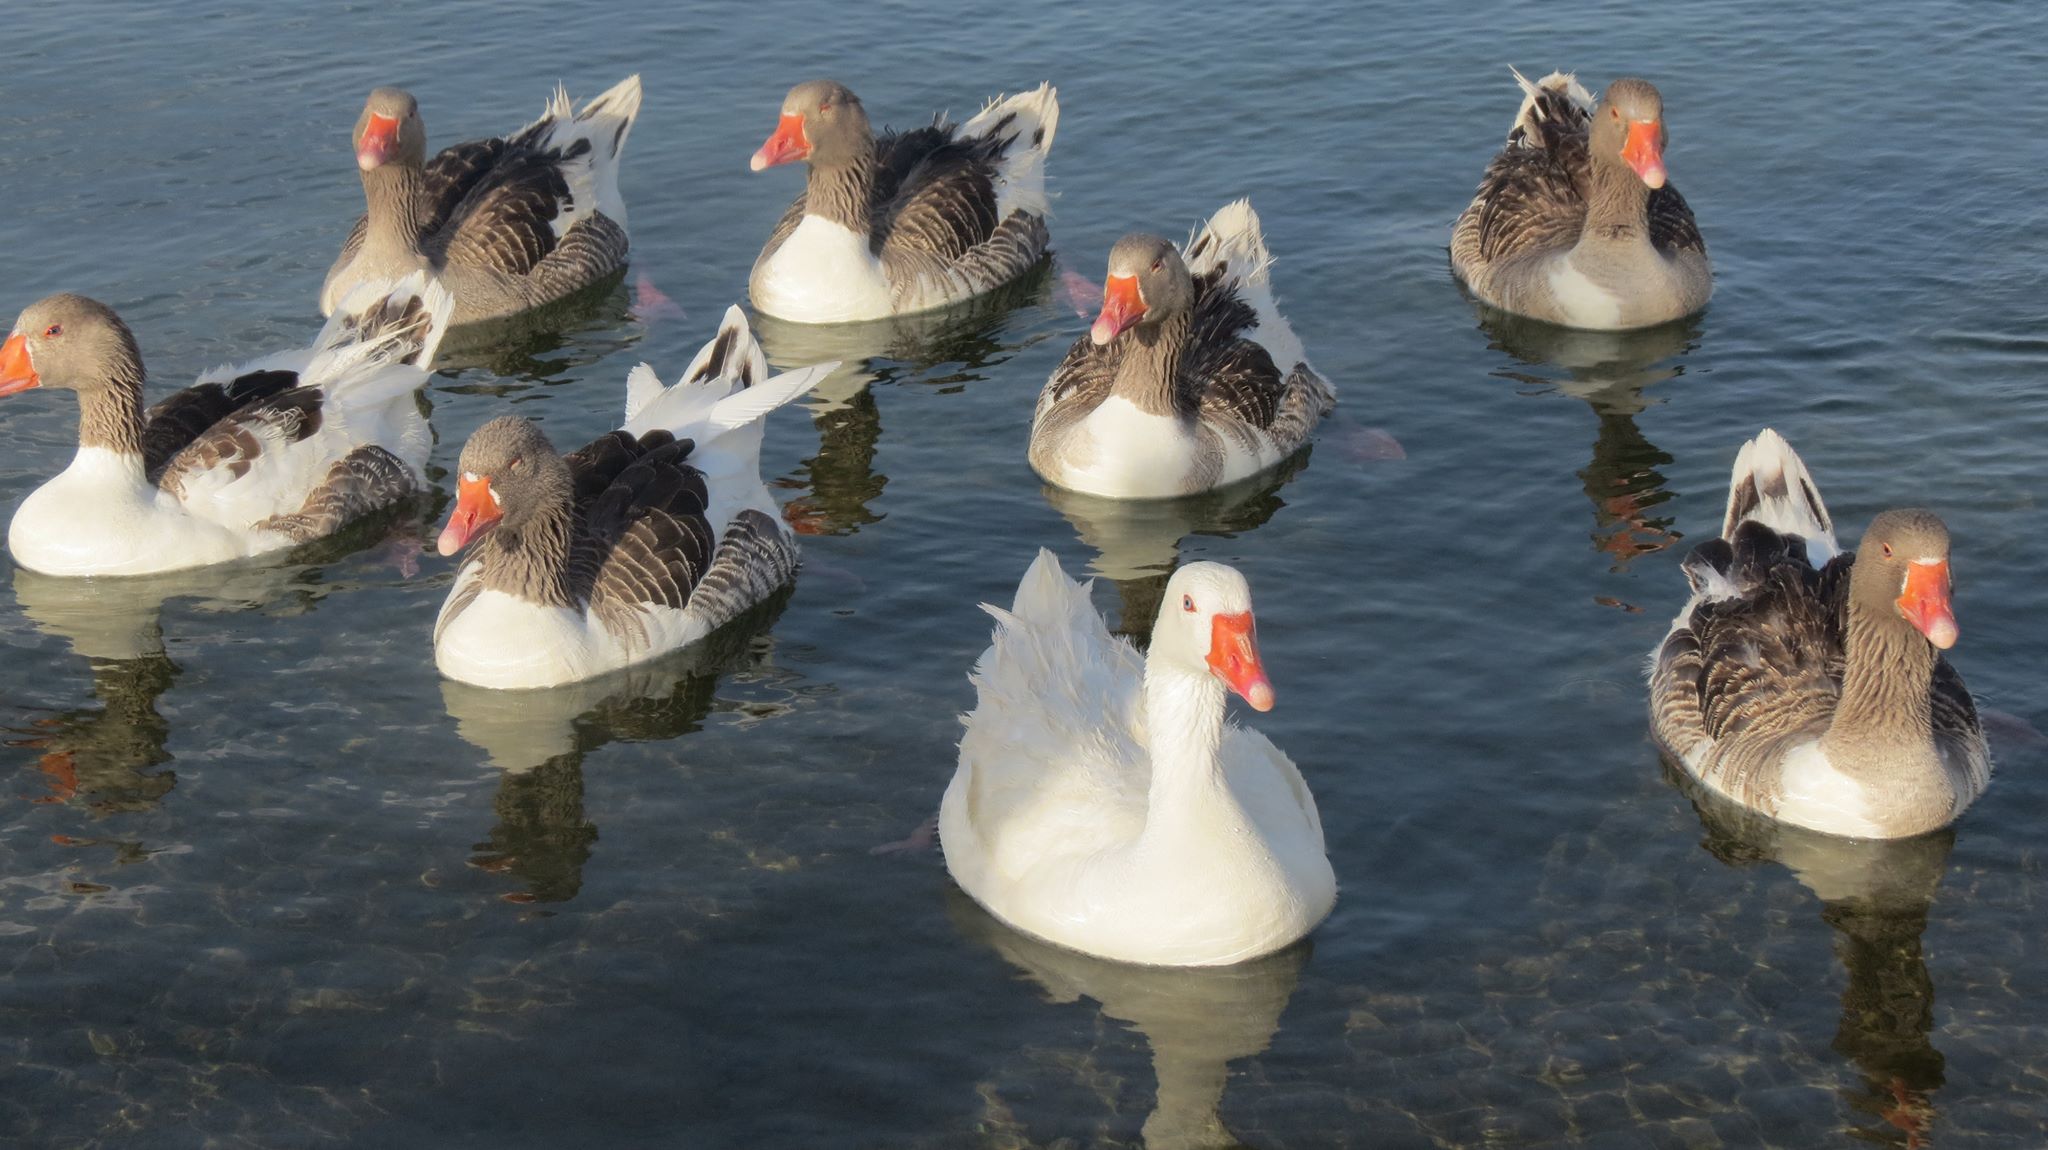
(840,482)
(106,756)
(546,343)
(1137,541)
(1196,1021)
(1610,371)
(1876,895)
(539,739)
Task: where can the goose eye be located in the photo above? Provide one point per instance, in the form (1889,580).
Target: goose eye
(1158,263)
(53,331)
(514,465)
(1187,603)
(826,106)
(1886,548)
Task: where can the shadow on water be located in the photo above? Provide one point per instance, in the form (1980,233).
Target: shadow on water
(1609,371)
(543,344)
(1876,895)
(1137,541)
(538,739)
(1197,1021)
(840,482)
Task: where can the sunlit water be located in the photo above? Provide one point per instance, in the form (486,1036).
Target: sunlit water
(266,881)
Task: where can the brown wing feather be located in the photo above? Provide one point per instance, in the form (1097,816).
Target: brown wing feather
(1672,228)
(945,204)
(645,539)
(174,423)
(1224,373)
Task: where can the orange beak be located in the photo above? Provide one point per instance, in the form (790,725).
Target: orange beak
(1123,304)
(1234,657)
(379,142)
(1645,151)
(476,510)
(1925,602)
(16,372)
(788,143)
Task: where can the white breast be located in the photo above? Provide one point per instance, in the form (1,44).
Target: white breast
(1580,301)
(823,273)
(503,641)
(1122,452)
(98,517)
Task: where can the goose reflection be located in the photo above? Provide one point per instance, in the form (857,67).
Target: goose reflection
(583,328)
(840,482)
(110,756)
(538,739)
(1876,895)
(1197,1020)
(1137,541)
(1610,371)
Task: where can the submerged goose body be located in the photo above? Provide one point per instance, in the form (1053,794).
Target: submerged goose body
(1819,696)
(1102,803)
(907,221)
(507,224)
(1575,223)
(642,542)
(1189,380)
(248,460)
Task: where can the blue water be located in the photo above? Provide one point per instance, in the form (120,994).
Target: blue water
(266,881)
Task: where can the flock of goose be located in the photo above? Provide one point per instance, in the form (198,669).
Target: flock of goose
(1100,802)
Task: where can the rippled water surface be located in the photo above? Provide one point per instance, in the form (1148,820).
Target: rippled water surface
(265,880)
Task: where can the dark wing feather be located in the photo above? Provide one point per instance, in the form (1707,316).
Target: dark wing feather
(176,422)
(1226,374)
(237,442)
(645,539)
(1672,228)
(944,202)
(506,220)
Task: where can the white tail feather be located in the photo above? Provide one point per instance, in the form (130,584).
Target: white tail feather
(1234,240)
(1565,83)
(1787,499)
(359,357)
(1020,177)
(605,122)
(713,403)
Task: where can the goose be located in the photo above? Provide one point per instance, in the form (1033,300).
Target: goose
(1819,697)
(907,221)
(248,460)
(508,224)
(643,541)
(1190,378)
(1101,803)
(1575,222)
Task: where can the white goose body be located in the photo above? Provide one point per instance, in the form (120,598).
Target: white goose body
(1101,803)
(823,273)
(673,541)
(1189,381)
(337,433)
(906,222)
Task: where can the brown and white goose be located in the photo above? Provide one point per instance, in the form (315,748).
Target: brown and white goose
(1819,697)
(1190,378)
(907,221)
(1575,222)
(249,459)
(643,541)
(507,224)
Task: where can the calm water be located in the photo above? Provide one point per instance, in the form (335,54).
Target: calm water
(266,881)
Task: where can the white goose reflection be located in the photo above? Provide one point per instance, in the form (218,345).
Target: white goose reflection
(1197,1021)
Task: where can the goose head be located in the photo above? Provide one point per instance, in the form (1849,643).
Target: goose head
(822,122)
(390,129)
(1901,574)
(509,473)
(68,341)
(1205,626)
(1148,283)
(1628,125)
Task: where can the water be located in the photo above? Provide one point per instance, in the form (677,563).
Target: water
(266,881)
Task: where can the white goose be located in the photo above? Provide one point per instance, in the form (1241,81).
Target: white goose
(1101,802)
(906,222)
(1191,378)
(644,541)
(249,459)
